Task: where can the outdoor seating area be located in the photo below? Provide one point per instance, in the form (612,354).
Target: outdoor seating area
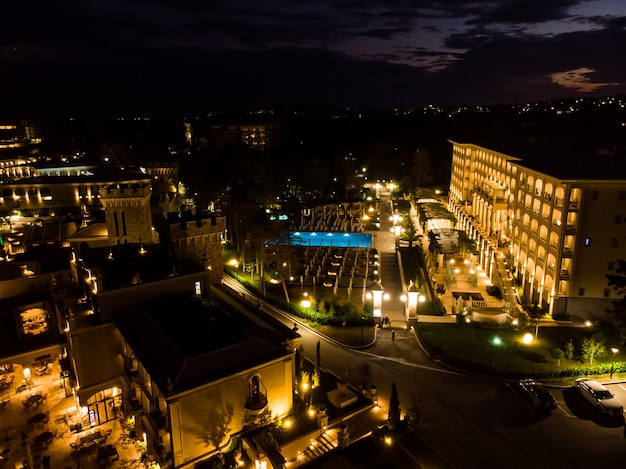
(333,270)
(45,419)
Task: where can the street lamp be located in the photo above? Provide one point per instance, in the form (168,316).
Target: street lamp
(377,295)
(362,322)
(413,296)
(614,350)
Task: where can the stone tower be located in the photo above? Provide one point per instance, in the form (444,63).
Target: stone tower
(200,238)
(127,212)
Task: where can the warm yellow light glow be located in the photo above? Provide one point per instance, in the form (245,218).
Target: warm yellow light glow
(287,423)
(388,440)
(233,262)
(528,338)
(311,413)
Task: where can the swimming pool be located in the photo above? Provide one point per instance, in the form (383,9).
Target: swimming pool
(326,238)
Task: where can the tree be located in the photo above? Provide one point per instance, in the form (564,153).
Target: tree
(299,365)
(393,418)
(417,413)
(593,346)
(558,354)
(617,280)
(569,350)
(409,234)
(318,363)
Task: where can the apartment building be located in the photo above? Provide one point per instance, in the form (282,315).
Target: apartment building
(557,213)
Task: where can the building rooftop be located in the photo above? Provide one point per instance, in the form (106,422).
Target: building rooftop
(84,174)
(123,265)
(187,342)
(567,158)
(15,336)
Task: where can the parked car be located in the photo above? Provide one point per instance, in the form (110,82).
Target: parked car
(537,395)
(600,397)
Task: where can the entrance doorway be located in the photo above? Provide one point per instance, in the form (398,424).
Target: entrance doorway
(105,406)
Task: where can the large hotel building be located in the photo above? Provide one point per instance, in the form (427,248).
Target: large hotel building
(556,213)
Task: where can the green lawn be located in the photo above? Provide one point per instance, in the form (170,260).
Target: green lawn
(475,349)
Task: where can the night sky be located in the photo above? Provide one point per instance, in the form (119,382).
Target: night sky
(121,57)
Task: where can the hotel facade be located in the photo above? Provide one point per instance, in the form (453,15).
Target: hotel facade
(560,221)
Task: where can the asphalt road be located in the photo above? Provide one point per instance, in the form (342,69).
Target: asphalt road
(473,421)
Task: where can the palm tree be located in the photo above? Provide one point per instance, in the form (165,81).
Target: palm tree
(409,234)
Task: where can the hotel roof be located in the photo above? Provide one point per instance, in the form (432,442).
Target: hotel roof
(566,158)
(185,342)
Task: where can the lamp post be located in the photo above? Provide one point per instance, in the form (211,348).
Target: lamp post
(377,295)
(413,296)
(362,321)
(614,350)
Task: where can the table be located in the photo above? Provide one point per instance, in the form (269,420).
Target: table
(33,400)
(108,452)
(37,418)
(89,437)
(44,438)
(47,358)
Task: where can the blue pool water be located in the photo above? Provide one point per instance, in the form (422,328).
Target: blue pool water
(325,238)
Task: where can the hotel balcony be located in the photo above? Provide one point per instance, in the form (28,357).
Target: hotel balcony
(564,274)
(567,252)
(570,229)
(157,420)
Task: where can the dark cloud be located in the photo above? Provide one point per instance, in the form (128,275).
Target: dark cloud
(192,56)
(525,11)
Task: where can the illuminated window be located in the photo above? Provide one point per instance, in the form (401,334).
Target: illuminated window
(587,241)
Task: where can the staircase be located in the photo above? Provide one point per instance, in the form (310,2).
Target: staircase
(318,447)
